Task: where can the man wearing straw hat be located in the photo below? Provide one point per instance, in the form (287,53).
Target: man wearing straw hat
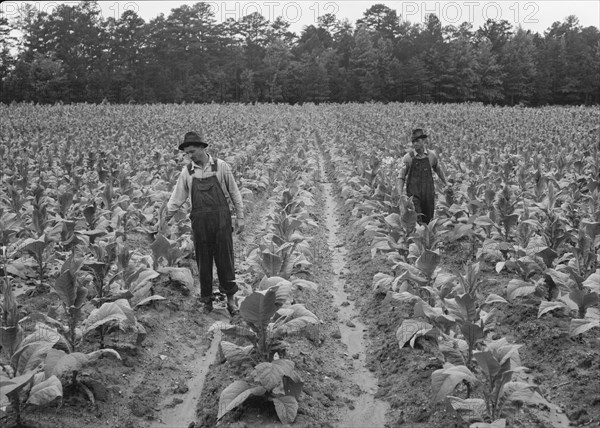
(416,172)
(210,185)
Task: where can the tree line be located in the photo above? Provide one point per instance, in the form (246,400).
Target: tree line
(73,55)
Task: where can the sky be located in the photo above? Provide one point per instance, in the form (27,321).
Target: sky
(536,16)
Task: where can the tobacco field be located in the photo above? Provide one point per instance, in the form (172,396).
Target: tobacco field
(351,313)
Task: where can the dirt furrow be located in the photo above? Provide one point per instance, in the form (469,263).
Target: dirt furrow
(185,411)
(367,410)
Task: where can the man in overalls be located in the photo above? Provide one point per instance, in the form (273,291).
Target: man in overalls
(416,172)
(211,186)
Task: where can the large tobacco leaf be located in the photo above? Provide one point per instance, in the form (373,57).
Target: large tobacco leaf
(258,309)
(235,394)
(410,330)
(111,312)
(286,408)
(45,391)
(443,381)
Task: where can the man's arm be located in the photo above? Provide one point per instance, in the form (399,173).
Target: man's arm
(179,195)
(234,191)
(439,170)
(402,176)
(235,195)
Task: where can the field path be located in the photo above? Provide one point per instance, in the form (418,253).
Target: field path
(367,411)
(184,413)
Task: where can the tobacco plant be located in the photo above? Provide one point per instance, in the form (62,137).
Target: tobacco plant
(294,199)
(39,214)
(279,258)
(493,375)
(267,320)
(283,250)
(392,232)
(505,214)
(21,379)
(104,256)
(584,248)
(70,238)
(96,223)
(456,313)
(276,381)
(555,229)
(167,250)
(112,316)
(47,350)
(10,225)
(131,281)
(581,298)
(14,198)
(423,274)
(38,248)
(426,239)
(73,295)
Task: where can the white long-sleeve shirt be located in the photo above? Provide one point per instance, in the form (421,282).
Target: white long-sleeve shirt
(183,188)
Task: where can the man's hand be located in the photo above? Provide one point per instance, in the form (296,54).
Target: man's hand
(239,225)
(448,191)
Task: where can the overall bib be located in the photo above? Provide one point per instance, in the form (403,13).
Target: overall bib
(420,186)
(212,232)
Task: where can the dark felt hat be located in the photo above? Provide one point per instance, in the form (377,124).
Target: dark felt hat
(192,139)
(417,134)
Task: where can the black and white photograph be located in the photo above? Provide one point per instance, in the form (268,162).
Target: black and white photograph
(316,214)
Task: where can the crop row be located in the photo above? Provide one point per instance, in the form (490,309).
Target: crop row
(73,217)
(536,218)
